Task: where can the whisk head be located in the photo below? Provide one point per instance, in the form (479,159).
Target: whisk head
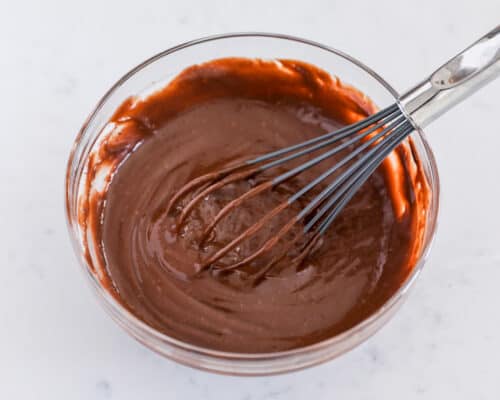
(366,143)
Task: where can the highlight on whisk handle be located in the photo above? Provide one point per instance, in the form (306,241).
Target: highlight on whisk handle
(454,81)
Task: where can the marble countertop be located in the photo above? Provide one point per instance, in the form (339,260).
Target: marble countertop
(59,57)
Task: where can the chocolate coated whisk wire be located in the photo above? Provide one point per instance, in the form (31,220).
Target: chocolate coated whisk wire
(373,138)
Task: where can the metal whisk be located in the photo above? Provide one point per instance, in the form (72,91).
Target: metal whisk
(369,142)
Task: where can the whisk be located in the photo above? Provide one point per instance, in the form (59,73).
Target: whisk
(368,142)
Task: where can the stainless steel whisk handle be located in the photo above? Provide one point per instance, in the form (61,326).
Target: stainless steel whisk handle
(454,81)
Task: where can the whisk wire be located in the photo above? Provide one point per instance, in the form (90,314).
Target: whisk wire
(360,177)
(369,162)
(373,139)
(353,128)
(338,165)
(329,139)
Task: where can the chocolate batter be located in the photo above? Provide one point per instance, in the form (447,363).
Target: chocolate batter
(214,115)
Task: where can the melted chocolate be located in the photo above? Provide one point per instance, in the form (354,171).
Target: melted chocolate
(211,116)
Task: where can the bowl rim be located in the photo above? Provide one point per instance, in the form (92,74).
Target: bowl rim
(117,307)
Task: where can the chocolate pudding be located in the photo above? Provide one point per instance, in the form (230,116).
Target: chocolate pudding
(212,116)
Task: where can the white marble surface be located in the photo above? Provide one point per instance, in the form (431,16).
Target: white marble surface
(56,342)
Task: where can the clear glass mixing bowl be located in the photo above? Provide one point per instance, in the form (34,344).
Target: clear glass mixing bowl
(157,71)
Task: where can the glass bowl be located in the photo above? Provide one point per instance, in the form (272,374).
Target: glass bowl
(157,71)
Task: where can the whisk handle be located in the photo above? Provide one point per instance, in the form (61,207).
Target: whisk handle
(456,80)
